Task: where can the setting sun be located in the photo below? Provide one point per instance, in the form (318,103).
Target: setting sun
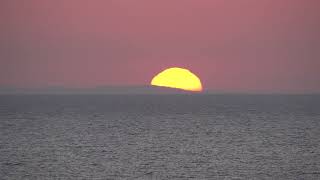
(177,78)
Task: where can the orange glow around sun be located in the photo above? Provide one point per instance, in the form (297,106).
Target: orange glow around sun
(177,78)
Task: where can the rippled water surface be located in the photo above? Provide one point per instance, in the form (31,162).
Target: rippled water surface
(159,137)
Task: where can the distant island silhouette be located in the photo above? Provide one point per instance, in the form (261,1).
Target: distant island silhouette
(96,90)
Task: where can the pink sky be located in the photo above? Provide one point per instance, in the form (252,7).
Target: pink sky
(244,45)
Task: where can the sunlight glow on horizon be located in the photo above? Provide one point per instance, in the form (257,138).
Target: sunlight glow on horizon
(178,78)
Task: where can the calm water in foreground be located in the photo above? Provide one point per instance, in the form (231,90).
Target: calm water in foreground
(159,137)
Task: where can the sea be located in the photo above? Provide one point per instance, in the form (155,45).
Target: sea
(170,136)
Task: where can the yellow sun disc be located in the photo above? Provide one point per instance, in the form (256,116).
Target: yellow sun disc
(177,78)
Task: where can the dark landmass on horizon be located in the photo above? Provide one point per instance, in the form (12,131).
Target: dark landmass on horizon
(96,90)
(127,90)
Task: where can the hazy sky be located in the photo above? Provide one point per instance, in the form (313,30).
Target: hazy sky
(233,45)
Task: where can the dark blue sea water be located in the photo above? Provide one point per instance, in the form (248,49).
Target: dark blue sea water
(159,137)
